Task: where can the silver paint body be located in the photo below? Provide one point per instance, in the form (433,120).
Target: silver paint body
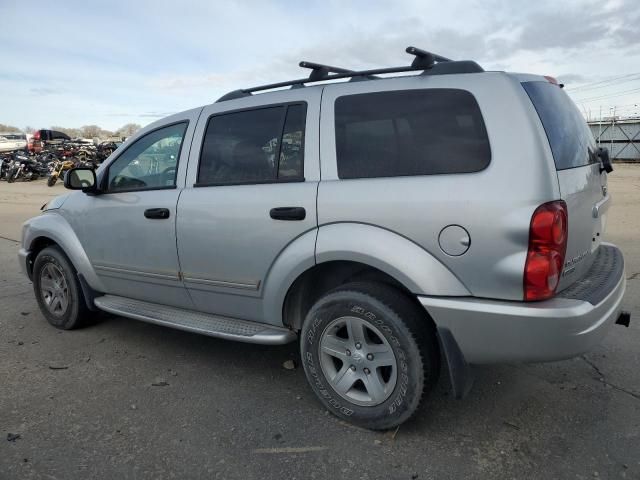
(220,253)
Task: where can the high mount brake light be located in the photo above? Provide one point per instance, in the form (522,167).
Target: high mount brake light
(547,248)
(554,81)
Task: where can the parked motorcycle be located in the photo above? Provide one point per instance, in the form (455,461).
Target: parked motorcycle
(26,168)
(58,170)
(6,165)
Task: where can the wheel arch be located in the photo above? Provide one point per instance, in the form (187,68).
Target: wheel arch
(52,229)
(334,253)
(316,281)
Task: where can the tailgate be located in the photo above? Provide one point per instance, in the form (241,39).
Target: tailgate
(582,184)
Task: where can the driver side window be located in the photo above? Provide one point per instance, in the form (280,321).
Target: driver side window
(149,163)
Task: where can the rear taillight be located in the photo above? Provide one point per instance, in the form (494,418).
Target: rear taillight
(547,247)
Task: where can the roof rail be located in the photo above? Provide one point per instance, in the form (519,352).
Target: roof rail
(430,63)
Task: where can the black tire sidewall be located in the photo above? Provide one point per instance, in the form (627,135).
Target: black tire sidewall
(410,376)
(70,318)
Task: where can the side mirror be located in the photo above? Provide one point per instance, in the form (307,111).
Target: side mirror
(80,178)
(603,154)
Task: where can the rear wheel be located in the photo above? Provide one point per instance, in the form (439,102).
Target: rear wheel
(58,291)
(370,354)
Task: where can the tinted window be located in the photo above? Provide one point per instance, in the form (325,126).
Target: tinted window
(291,165)
(150,162)
(571,141)
(253,146)
(410,132)
(59,135)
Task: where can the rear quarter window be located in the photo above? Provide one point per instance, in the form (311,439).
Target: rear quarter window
(410,132)
(570,139)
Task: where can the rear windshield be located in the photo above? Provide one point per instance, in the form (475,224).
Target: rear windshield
(571,141)
(410,132)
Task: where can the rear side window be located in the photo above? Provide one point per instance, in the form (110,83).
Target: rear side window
(571,141)
(59,135)
(254,146)
(410,132)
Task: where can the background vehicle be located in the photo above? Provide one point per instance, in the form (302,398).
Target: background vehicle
(6,165)
(42,138)
(58,169)
(25,168)
(105,149)
(10,142)
(387,223)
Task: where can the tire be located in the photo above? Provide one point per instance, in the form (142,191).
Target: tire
(51,181)
(50,266)
(11,177)
(394,329)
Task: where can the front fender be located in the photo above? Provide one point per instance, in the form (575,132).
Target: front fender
(415,268)
(55,227)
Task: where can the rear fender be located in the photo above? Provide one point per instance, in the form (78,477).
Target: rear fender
(415,268)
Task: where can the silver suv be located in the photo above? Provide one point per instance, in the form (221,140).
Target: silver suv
(391,223)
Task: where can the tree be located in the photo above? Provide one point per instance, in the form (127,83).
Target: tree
(72,132)
(8,128)
(90,131)
(128,129)
(29,129)
(105,133)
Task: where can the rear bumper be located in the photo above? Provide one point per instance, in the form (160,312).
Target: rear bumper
(489,331)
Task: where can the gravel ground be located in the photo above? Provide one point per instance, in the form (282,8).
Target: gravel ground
(124,399)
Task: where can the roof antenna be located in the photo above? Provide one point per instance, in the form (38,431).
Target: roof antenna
(424,60)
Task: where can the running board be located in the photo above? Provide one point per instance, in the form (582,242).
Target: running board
(197,322)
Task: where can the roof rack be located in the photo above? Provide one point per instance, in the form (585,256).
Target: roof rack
(430,63)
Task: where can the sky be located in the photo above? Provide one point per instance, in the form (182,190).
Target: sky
(74,63)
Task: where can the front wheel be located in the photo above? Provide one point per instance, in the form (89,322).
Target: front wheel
(58,290)
(51,181)
(369,354)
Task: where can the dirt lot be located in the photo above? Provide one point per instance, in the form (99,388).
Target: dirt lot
(124,399)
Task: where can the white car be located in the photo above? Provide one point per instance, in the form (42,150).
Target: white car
(12,141)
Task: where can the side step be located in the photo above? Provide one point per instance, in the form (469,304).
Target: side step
(197,322)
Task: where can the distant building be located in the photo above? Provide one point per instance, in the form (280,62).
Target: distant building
(620,136)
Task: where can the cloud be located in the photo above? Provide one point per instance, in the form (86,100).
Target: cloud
(44,91)
(151,59)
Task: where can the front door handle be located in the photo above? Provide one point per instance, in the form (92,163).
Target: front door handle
(157,213)
(288,213)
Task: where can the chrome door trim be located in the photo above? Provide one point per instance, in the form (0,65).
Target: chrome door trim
(222,283)
(106,269)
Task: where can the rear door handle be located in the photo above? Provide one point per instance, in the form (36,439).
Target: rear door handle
(288,213)
(157,213)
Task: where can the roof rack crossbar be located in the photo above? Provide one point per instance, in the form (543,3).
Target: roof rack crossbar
(319,71)
(423,60)
(347,74)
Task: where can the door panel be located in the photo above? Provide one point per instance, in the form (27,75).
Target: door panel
(584,190)
(133,255)
(227,238)
(228,241)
